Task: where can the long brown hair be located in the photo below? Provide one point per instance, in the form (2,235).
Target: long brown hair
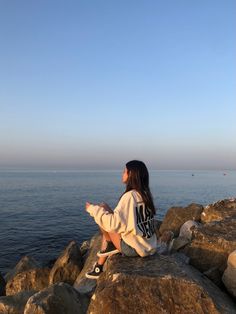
(138,179)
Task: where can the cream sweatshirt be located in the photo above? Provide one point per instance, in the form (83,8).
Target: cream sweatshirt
(132,220)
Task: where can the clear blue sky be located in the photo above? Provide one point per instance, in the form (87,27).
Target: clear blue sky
(93,84)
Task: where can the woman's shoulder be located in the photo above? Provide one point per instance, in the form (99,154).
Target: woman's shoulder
(132,194)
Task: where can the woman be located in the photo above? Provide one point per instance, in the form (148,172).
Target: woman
(128,229)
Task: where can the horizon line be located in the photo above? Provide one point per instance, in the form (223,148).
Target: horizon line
(22,169)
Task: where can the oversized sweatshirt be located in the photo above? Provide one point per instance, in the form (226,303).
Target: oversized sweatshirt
(132,220)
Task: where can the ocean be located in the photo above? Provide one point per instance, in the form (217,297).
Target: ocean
(42,211)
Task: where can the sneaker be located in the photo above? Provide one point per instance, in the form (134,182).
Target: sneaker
(109,250)
(95,273)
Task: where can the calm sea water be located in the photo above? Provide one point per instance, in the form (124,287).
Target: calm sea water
(40,212)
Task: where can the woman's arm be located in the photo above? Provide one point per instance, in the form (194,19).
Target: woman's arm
(113,221)
(104,205)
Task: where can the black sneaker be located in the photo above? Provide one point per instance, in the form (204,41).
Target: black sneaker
(95,273)
(109,250)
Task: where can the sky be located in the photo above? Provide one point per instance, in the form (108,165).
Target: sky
(94,84)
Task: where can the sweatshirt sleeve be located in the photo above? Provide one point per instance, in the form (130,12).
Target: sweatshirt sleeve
(116,221)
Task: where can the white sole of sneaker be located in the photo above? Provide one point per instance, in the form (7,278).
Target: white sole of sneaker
(99,254)
(91,277)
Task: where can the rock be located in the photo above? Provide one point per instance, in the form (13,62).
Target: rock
(177,216)
(185,235)
(178,243)
(59,298)
(84,247)
(181,257)
(33,279)
(229,276)
(186,230)
(156,284)
(50,263)
(25,263)
(2,285)
(214,275)
(157,224)
(82,284)
(211,245)
(68,265)
(15,304)
(219,210)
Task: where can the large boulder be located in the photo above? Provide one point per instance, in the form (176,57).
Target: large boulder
(33,279)
(82,284)
(156,284)
(177,216)
(219,210)
(25,263)
(229,276)
(68,266)
(59,298)
(15,304)
(211,245)
(2,285)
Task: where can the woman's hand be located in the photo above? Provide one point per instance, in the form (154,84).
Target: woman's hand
(104,205)
(87,204)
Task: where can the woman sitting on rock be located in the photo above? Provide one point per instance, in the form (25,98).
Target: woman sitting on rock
(129,229)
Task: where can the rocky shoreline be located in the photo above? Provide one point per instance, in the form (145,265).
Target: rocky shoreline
(197,274)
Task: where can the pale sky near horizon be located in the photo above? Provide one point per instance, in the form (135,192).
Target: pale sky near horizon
(93,84)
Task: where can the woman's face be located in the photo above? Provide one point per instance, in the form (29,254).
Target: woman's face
(125,176)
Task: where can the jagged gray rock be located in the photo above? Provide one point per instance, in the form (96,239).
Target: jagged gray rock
(68,266)
(82,284)
(156,284)
(2,285)
(25,263)
(185,236)
(219,211)
(15,304)
(84,247)
(214,275)
(33,279)
(186,230)
(211,245)
(59,298)
(177,216)
(178,243)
